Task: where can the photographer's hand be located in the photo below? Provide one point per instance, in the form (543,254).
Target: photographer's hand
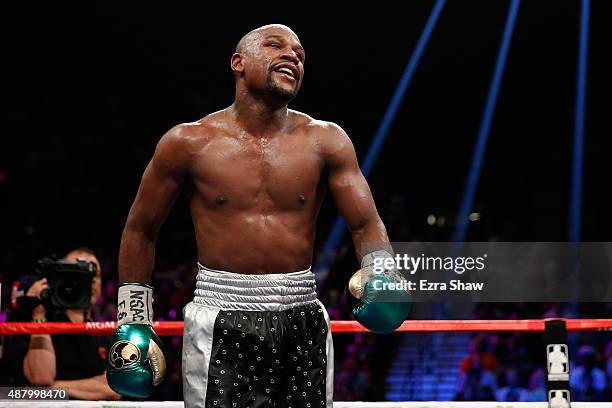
(39,363)
(39,312)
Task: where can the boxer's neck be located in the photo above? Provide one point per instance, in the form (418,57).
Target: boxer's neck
(259,116)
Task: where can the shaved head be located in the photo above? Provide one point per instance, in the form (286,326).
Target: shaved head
(269,60)
(252,36)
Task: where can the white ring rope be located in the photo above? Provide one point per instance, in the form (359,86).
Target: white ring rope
(337,404)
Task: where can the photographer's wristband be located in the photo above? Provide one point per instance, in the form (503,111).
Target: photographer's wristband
(27,304)
(135,303)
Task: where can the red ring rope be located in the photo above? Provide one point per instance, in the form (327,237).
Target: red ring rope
(337,326)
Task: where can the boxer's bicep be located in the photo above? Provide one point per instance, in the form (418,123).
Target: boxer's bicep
(351,192)
(352,196)
(159,187)
(156,194)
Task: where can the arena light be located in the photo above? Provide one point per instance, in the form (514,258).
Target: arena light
(461,222)
(336,233)
(578,151)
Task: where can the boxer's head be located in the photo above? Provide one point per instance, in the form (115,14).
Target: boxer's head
(270,61)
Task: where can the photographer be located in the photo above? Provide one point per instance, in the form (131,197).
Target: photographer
(74,362)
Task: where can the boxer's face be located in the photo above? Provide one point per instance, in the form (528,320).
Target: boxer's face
(274,62)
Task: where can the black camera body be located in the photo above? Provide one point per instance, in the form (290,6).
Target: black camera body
(69,282)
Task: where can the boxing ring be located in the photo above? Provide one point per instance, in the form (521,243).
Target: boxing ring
(337,327)
(338,229)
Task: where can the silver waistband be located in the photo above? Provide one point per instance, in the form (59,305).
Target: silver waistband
(237,291)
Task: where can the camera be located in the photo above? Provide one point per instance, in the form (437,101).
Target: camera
(69,287)
(69,282)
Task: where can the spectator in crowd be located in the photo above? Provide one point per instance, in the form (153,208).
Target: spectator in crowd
(479,353)
(608,361)
(343,389)
(588,381)
(512,391)
(536,390)
(476,385)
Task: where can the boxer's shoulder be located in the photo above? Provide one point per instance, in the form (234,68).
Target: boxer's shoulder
(195,134)
(328,135)
(185,134)
(332,142)
(207,128)
(306,122)
(182,144)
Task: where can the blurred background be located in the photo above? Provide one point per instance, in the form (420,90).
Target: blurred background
(88,91)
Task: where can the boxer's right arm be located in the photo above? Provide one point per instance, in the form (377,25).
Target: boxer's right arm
(160,185)
(135,361)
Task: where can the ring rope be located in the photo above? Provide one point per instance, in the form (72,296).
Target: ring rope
(337,326)
(337,404)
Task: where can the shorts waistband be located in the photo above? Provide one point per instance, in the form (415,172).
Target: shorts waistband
(269,292)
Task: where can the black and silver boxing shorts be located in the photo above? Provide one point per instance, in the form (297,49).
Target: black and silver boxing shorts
(255,341)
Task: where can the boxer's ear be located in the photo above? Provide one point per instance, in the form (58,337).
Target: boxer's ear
(237,63)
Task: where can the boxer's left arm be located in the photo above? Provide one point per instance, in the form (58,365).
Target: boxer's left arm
(378,310)
(351,192)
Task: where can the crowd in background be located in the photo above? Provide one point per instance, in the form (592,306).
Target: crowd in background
(511,366)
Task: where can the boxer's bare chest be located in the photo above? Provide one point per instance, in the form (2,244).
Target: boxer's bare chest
(280,171)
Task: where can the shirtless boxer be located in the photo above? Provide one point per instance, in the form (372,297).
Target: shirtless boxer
(255,333)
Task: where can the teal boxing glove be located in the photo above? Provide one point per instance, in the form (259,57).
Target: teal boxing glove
(385,303)
(136,363)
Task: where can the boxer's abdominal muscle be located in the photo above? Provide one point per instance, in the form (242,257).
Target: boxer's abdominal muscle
(255,203)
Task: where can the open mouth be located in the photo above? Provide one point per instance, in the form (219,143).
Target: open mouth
(286,72)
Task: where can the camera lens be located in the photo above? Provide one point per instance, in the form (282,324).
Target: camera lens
(70,292)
